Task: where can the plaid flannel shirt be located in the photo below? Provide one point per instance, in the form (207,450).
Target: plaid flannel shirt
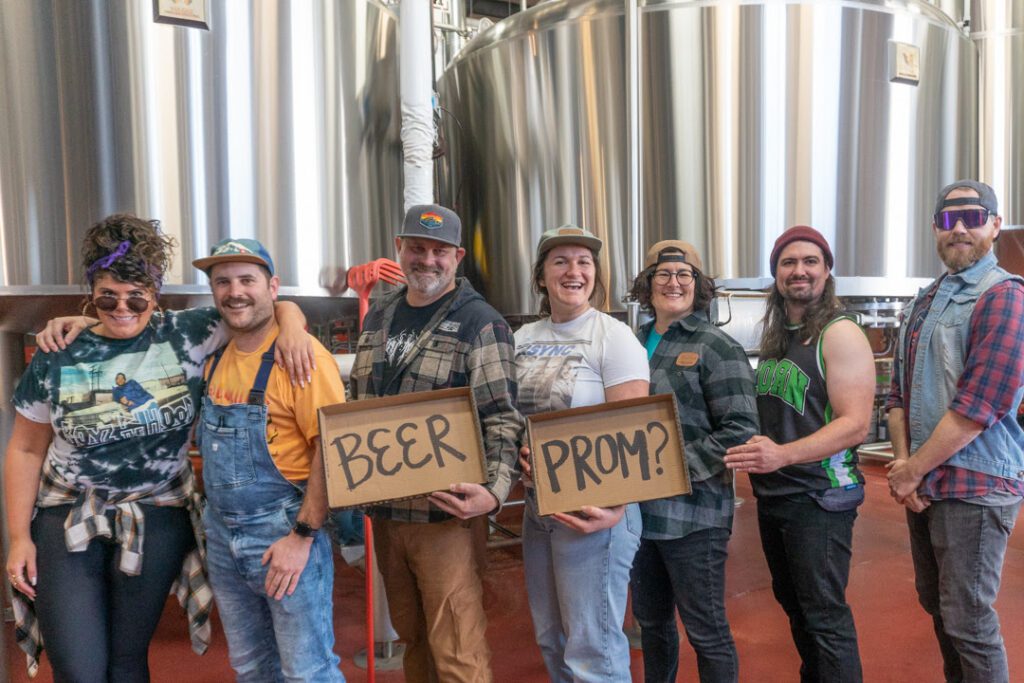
(714,388)
(981,396)
(466,344)
(87,520)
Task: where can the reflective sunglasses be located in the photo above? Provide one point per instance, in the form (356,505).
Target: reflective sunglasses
(972,218)
(663,277)
(107,303)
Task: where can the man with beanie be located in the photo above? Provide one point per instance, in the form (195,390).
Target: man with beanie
(436,333)
(957,381)
(815,392)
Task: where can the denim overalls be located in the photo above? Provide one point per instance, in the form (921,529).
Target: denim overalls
(250,505)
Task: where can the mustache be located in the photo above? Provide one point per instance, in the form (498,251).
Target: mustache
(426,269)
(238,300)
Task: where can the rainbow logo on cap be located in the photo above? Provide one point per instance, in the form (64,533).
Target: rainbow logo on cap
(431,220)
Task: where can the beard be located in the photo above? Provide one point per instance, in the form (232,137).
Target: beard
(803,295)
(957,260)
(428,282)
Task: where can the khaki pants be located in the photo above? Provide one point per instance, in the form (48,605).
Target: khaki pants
(432,578)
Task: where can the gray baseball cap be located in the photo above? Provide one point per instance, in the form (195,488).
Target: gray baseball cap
(433,222)
(986,197)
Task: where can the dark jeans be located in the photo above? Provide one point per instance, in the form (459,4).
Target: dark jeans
(808,552)
(958,551)
(687,574)
(95,620)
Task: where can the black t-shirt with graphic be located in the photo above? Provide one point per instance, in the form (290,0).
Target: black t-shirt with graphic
(122,409)
(406,326)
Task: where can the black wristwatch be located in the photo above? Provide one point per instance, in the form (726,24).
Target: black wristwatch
(304,530)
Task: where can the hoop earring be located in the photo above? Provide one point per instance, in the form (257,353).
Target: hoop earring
(85,307)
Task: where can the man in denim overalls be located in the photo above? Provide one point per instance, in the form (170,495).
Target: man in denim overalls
(270,563)
(957,382)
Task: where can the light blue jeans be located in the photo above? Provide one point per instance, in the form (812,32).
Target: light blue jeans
(577,586)
(958,550)
(291,639)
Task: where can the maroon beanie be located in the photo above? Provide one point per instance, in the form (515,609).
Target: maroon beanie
(800,233)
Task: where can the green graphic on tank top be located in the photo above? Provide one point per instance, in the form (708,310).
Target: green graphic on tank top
(784,380)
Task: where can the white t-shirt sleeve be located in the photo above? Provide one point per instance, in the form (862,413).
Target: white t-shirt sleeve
(623,359)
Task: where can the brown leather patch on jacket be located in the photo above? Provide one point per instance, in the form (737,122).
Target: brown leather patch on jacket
(687,359)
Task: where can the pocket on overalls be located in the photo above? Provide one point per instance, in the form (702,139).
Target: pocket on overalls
(227,461)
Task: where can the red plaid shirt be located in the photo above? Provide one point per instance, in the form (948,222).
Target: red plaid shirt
(981,390)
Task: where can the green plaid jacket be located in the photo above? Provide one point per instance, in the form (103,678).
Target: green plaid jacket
(466,344)
(714,387)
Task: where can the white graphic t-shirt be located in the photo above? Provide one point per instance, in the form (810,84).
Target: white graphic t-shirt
(568,365)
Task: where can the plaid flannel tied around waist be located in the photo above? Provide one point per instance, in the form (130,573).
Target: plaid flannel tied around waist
(87,520)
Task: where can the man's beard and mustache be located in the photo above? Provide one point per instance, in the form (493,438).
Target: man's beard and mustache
(428,281)
(957,260)
(805,295)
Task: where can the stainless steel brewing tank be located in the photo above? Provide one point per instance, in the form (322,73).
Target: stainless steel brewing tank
(997,27)
(755,117)
(280,122)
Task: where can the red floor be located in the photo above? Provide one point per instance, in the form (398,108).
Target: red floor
(896,641)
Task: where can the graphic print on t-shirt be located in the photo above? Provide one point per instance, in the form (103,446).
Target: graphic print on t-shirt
(397,346)
(547,374)
(121,398)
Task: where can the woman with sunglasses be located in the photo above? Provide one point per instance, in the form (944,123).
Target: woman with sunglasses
(98,486)
(577,565)
(681,560)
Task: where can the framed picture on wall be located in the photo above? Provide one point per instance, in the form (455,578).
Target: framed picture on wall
(189,13)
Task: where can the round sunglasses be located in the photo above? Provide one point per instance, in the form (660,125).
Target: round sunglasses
(135,304)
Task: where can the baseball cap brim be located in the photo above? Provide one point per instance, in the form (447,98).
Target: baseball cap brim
(204,264)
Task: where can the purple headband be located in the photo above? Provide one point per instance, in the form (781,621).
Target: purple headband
(112,257)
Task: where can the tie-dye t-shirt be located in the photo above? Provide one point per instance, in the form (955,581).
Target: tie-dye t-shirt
(122,409)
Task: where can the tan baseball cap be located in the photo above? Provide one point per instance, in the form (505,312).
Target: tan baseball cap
(690,253)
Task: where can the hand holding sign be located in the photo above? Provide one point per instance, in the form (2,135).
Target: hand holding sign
(591,518)
(465,500)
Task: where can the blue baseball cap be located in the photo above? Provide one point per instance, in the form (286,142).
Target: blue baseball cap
(236,250)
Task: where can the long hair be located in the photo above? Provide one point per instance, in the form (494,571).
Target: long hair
(704,289)
(597,296)
(775,335)
(129,249)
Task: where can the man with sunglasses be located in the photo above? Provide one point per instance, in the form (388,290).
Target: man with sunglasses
(958,379)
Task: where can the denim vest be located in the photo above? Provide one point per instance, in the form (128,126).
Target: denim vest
(941,351)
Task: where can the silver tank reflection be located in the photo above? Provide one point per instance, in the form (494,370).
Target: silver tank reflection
(280,122)
(754,117)
(997,27)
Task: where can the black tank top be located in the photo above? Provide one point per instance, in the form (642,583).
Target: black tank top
(792,402)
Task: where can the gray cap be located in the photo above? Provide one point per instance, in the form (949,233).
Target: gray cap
(432,222)
(567,234)
(986,197)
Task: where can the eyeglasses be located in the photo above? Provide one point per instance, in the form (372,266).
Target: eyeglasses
(135,304)
(972,218)
(663,277)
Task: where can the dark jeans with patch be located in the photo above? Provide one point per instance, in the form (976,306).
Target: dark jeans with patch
(687,574)
(808,551)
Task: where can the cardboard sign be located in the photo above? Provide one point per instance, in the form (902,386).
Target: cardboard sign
(608,454)
(404,446)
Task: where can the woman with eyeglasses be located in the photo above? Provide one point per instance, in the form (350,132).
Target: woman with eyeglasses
(577,565)
(97,483)
(681,561)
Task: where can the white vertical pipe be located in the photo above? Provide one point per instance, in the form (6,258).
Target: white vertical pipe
(416,81)
(634,255)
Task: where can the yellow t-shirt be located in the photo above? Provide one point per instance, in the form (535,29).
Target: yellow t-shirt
(292,425)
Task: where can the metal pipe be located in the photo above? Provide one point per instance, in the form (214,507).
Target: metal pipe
(416,87)
(633,254)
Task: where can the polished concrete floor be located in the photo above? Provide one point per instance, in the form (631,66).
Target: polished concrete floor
(896,640)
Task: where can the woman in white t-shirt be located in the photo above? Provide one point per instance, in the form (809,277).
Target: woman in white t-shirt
(577,565)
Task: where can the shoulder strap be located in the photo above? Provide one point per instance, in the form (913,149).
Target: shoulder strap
(259,387)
